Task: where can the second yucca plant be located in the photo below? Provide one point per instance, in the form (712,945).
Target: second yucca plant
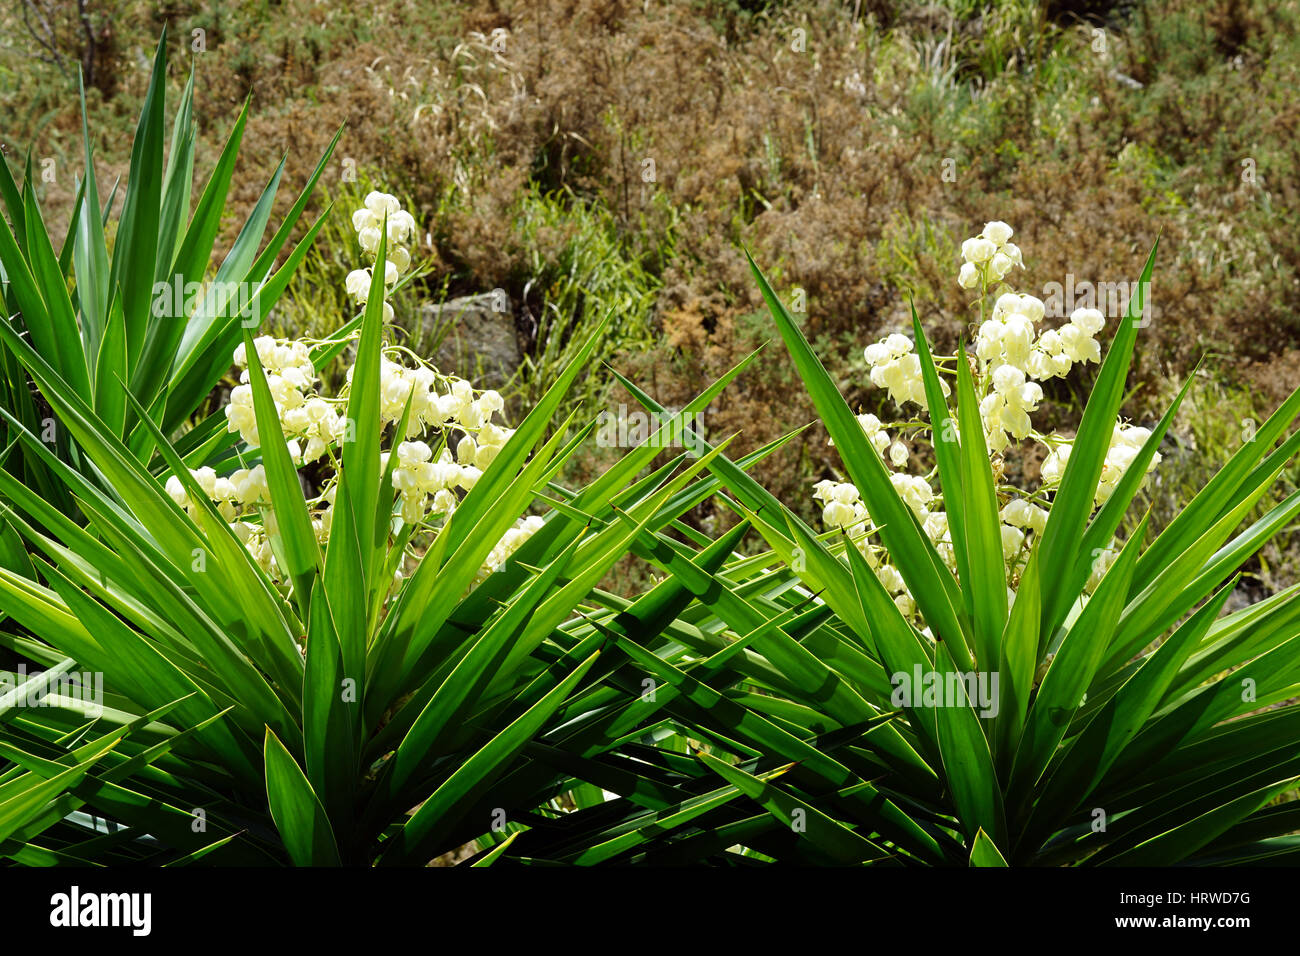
(1130,723)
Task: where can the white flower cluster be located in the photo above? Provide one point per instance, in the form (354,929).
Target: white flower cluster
(936,529)
(844,508)
(437,401)
(897,369)
(427,484)
(230,493)
(1005,409)
(369,222)
(1100,565)
(510,543)
(1011,358)
(1007,338)
(309,421)
(1019,513)
(881,441)
(1125,443)
(842,505)
(417,478)
(1058,349)
(238,495)
(450,436)
(988,257)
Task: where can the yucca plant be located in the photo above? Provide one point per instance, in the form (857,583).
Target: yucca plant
(1133,724)
(329,714)
(150,314)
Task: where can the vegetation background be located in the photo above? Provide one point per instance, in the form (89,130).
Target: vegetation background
(583,155)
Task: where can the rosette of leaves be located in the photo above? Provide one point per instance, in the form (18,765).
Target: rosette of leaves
(350,717)
(1137,726)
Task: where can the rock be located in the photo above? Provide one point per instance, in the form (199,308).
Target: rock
(472,337)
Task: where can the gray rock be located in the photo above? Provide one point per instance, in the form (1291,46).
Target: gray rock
(472,337)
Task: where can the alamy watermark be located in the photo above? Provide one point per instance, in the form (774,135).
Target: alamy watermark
(667,429)
(73,909)
(923,689)
(1111,299)
(22,689)
(179,299)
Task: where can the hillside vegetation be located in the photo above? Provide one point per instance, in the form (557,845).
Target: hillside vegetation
(587,155)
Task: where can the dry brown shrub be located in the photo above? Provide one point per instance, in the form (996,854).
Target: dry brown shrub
(826,164)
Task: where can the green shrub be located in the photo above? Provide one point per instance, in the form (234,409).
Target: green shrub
(1133,727)
(313,692)
(149,317)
